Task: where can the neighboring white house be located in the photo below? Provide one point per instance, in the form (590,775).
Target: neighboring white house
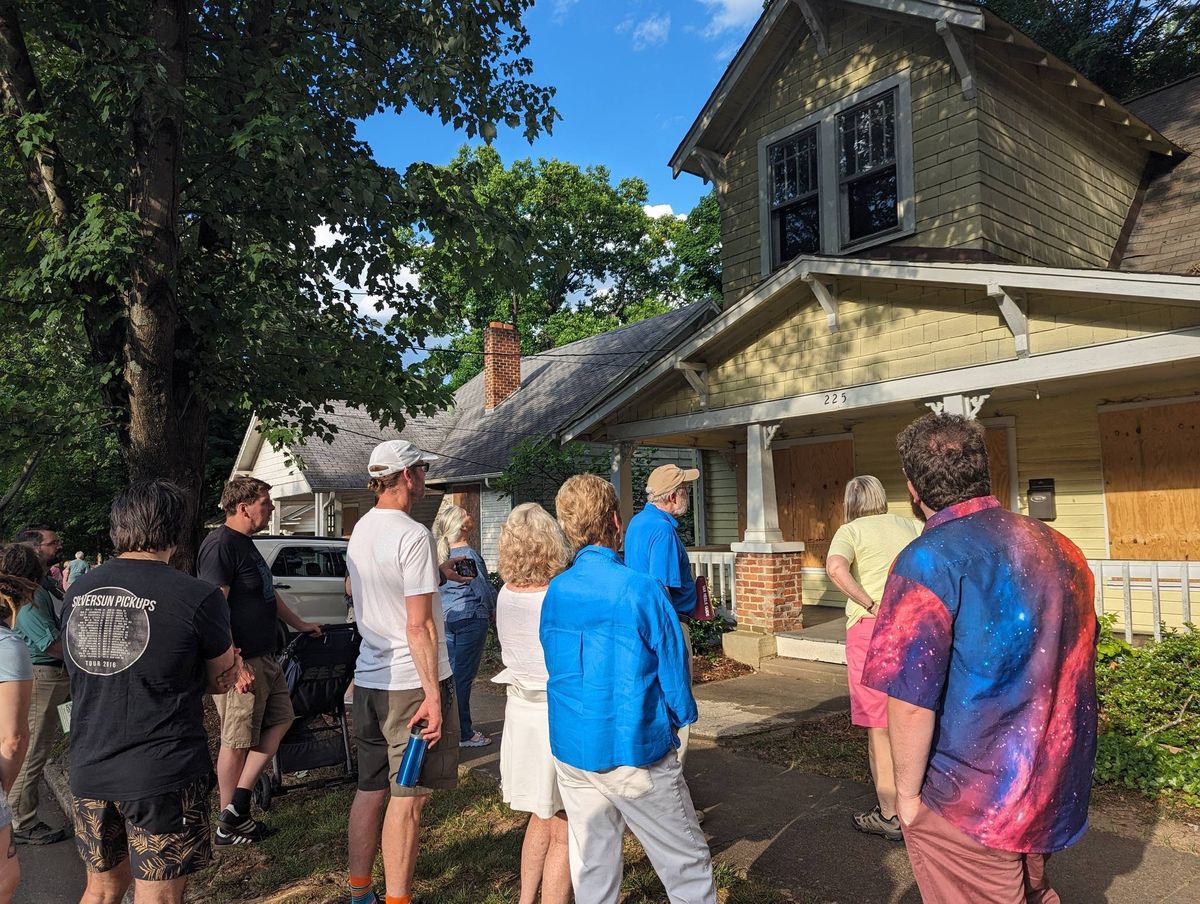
(319,487)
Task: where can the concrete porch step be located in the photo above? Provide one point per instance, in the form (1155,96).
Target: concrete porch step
(810,646)
(820,671)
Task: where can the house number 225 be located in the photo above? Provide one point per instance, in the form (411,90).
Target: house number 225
(835,398)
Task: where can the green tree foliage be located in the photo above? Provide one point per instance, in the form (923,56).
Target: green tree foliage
(166,168)
(1125,46)
(587,257)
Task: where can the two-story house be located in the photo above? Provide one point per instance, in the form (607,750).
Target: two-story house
(921,208)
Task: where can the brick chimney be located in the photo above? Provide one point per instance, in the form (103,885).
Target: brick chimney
(501,363)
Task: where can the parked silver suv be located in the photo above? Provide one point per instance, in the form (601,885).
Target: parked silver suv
(310,574)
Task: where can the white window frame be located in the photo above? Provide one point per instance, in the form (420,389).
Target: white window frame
(833,218)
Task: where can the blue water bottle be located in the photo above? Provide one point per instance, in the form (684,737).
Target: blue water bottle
(409,775)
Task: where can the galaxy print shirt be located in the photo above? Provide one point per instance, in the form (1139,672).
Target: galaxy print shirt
(987,620)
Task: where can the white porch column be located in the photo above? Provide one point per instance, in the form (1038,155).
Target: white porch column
(762,511)
(319,500)
(622,478)
(276,524)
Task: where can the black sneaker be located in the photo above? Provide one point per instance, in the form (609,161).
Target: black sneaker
(224,838)
(233,824)
(39,833)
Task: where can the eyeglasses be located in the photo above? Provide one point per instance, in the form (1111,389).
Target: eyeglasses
(419,466)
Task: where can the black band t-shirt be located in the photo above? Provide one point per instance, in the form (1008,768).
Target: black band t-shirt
(228,558)
(136,638)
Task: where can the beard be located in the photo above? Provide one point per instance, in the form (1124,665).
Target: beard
(917,510)
(681,508)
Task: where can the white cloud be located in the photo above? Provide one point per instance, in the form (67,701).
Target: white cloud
(726,15)
(559,10)
(651,32)
(654,211)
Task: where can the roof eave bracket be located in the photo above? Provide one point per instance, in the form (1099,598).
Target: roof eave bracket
(960,55)
(816,25)
(712,165)
(1014,310)
(825,291)
(696,373)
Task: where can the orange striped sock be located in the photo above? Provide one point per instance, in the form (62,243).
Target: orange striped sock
(360,890)
(398,899)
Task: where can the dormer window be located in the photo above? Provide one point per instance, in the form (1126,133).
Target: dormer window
(795,200)
(867,168)
(840,179)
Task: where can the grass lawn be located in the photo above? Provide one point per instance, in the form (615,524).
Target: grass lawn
(470,854)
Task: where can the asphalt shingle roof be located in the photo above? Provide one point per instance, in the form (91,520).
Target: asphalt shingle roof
(1166,232)
(555,386)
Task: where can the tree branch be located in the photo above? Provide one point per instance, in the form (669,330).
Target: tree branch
(18,485)
(20,95)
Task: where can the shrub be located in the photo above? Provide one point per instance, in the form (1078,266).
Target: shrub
(706,635)
(1150,713)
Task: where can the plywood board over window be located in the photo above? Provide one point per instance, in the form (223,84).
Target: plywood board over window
(810,481)
(1151,458)
(467,496)
(999,467)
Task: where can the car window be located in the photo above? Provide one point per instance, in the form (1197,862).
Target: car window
(310,562)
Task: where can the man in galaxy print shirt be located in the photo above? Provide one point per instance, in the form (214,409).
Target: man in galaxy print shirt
(985,646)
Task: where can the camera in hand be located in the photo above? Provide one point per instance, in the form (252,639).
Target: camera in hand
(466,568)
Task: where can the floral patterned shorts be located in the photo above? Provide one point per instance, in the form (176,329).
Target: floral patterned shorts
(164,837)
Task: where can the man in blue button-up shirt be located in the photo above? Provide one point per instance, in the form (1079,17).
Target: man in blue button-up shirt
(618,692)
(653,547)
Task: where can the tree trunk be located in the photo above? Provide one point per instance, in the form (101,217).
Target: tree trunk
(165,436)
(18,486)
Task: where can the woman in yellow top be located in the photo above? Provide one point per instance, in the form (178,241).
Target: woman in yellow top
(860,556)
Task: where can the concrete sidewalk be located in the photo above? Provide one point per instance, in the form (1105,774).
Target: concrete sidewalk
(793,829)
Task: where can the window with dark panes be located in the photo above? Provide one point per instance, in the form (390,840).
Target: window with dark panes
(867,167)
(795,201)
(309,562)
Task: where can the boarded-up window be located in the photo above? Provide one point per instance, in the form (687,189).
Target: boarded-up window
(810,480)
(1152,481)
(467,496)
(999,467)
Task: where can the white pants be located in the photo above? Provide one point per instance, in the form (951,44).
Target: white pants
(655,803)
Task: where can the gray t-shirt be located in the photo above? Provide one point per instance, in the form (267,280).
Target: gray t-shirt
(15,664)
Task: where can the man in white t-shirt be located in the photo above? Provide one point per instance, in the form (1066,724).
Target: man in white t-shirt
(403,673)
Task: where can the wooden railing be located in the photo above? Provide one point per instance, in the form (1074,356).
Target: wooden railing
(1145,595)
(717,566)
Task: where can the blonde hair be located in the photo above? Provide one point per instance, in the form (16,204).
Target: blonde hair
(864,496)
(447,528)
(533,548)
(585,505)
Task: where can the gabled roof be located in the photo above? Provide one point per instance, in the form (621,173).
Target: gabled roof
(556,385)
(1164,231)
(785,23)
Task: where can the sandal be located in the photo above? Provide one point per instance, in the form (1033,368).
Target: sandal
(479,739)
(873,823)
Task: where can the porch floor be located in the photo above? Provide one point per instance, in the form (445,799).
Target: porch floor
(822,639)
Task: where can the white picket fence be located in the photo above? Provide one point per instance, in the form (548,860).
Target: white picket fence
(717,567)
(1146,595)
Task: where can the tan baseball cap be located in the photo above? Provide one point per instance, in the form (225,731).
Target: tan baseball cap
(396,455)
(668,478)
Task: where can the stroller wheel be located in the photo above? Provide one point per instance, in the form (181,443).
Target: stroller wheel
(264,790)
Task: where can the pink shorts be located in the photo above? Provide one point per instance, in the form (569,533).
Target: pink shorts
(868,707)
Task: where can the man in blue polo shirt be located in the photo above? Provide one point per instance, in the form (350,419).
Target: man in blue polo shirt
(653,547)
(617,694)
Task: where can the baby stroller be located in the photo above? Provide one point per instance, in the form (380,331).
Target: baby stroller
(318,671)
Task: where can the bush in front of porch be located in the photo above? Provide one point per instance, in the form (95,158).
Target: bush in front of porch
(1150,714)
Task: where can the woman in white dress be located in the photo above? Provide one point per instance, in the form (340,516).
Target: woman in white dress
(532,551)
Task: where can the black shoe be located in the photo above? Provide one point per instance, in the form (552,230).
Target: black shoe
(224,838)
(39,833)
(234,824)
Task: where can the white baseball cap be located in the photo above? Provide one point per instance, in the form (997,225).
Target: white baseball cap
(396,455)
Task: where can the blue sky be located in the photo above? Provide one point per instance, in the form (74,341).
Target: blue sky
(631,77)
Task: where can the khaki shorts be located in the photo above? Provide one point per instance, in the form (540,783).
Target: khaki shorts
(381,730)
(244,716)
(164,837)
